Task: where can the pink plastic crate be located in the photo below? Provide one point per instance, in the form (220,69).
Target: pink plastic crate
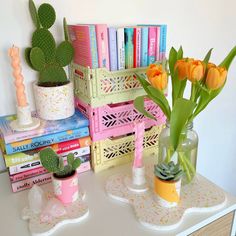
(117,119)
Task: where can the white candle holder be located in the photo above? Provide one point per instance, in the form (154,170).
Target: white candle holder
(24,120)
(138,181)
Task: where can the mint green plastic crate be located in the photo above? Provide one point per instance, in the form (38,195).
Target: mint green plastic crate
(98,87)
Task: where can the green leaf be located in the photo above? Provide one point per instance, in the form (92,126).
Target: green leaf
(61,164)
(27,58)
(70,158)
(172,59)
(65,27)
(181,112)
(207,57)
(47,15)
(159,98)
(37,58)
(205,97)
(76,163)
(139,106)
(178,86)
(180,53)
(34,14)
(228,59)
(49,159)
(64,53)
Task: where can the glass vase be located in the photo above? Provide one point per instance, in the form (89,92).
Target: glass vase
(186,153)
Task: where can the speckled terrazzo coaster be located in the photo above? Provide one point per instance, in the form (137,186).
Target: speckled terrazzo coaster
(200,195)
(75,212)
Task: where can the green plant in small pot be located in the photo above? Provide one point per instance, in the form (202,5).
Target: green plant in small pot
(65,177)
(54,95)
(167,183)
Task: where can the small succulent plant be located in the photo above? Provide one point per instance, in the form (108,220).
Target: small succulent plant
(45,56)
(168,171)
(55,164)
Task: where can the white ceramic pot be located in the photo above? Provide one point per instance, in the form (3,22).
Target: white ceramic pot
(54,103)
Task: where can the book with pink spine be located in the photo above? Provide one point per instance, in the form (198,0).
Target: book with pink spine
(102,46)
(137,47)
(43,179)
(152,44)
(158,56)
(83,38)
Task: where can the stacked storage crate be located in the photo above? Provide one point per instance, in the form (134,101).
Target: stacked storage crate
(106,99)
(105,95)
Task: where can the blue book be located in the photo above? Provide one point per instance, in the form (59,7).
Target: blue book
(163,34)
(144,46)
(112,48)
(46,127)
(93,44)
(46,140)
(129,47)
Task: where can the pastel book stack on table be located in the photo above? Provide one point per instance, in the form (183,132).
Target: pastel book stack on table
(21,149)
(104,70)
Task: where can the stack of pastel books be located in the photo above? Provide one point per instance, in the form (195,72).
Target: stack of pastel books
(21,149)
(118,48)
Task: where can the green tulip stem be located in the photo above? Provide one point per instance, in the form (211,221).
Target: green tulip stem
(193,92)
(184,165)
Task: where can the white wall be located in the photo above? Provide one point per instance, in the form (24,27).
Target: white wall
(197,25)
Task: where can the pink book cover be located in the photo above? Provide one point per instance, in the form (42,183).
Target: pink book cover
(102,46)
(28,174)
(137,47)
(43,179)
(84,42)
(152,44)
(158,58)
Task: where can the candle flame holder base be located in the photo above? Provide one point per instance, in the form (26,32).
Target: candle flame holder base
(138,181)
(24,120)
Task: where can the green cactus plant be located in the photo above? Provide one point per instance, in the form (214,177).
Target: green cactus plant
(45,56)
(55,164)
(168,171)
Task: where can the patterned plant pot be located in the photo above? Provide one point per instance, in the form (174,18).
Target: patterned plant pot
(167,192)
(54,103)
(66,189)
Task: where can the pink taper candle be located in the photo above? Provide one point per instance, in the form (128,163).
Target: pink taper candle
(20,88)
(139,128)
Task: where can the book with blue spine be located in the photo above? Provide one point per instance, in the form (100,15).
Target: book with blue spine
(8,135)
(93,43)
(163,35)
(45,140)
(129,47)
(112,48)
(144,47)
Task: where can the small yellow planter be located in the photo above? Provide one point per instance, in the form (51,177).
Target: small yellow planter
(167,192)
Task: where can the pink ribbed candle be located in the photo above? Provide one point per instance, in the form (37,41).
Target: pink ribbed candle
(139,129)
(14,53)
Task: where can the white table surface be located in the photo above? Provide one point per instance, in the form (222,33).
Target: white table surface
(107,217)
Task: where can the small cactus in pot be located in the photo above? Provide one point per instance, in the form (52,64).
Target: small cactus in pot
(65,177)
(53,92)
(167,183)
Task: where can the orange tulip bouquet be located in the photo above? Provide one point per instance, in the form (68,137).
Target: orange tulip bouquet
(206,80)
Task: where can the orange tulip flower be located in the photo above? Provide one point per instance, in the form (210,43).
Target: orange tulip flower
(182,66)
(157,76)
(195,70)
(216,77)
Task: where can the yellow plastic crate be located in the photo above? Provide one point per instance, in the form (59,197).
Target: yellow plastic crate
(113,152)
